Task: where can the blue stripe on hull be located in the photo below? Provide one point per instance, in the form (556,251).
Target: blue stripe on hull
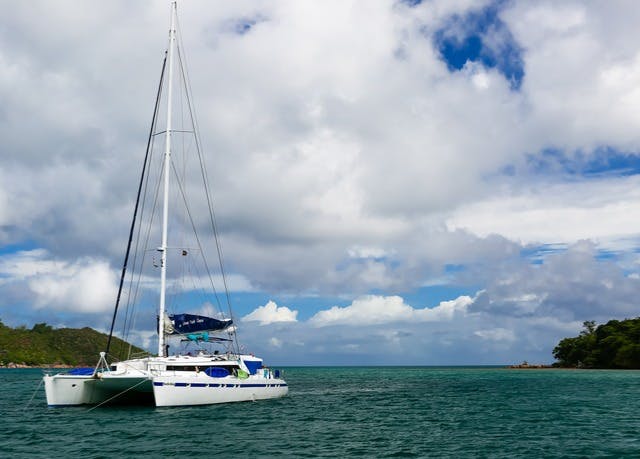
(181,384)
(65,406)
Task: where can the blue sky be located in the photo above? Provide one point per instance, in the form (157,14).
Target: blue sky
(422,183)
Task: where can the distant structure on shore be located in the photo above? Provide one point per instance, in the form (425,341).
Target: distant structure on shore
(526,364)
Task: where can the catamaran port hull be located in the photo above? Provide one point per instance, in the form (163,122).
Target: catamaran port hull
(70,390)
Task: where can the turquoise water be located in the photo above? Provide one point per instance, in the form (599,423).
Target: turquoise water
(350,412)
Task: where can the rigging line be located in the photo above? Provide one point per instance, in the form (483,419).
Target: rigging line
(212,217)
(130,309)
(135,212)
(146,244)
(182,126)
(187,86)
(133,297)
(24,410)
(119,394)
(137,268)
(205,179)
(184,160)
(200,288)
(173,130)
(195,231)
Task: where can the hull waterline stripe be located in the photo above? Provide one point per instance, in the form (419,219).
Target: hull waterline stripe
(241,386)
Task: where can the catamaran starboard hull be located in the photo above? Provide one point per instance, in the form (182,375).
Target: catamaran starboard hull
(181,392)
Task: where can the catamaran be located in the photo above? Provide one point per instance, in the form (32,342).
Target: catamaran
(202,375)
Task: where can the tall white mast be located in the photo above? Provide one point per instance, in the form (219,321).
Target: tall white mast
(167,171)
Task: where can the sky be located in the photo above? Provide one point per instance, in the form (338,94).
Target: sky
(396,182)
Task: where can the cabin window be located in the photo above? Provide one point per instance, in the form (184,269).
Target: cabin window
(230,368)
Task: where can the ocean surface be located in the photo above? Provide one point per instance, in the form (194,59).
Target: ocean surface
(349,412)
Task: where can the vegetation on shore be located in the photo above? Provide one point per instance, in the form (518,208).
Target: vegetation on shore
(615,344)
(43,345)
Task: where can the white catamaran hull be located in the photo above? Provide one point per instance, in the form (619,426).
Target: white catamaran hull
(68,390)
(169,381)
(172,391)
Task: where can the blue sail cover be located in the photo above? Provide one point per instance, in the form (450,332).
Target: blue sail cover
(192,323)
(83,371)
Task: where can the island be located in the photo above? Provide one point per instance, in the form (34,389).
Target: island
(614,345)
(45,346)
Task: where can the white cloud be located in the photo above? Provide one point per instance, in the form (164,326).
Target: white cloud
(573,58)
(374,310)
(568,286)
(366,252)
(496,334)
(271,313)
(145,339)
(346,158)
(344,145)
(85,286)
(600,209)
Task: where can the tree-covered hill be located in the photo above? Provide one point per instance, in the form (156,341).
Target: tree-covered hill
(43,345)
(615,344)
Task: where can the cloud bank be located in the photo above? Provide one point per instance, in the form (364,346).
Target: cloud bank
(376,161)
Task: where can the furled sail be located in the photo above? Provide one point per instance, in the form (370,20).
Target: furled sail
(191,323)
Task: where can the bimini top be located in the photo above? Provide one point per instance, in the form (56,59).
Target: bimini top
(191,323)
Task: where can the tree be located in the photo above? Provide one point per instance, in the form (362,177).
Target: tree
(589,327)
(615,344)
(41,328)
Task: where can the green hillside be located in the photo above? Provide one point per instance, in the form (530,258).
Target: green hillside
(43,345)
(615,344)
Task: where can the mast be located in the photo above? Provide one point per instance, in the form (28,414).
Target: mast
(165,207)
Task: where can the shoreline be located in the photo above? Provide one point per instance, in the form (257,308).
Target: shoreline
(18,366)
(531,366)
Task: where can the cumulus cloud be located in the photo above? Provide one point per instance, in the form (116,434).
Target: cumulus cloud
(558,212)
(85,286)
(450,334)
(333,158)
(563,41)
(374,310)
(535,305)
(570,286)
(271,313)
